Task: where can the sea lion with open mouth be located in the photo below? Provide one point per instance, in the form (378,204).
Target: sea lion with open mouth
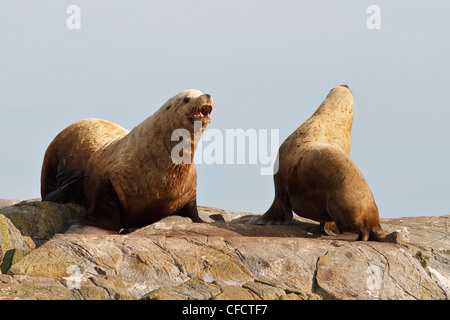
(127,179)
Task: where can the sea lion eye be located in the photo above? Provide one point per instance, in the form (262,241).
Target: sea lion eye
(186,99)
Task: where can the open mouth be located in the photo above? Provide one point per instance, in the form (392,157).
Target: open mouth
(203,112)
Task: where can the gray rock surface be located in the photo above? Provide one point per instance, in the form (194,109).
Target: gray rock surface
(7,202)
(228,259)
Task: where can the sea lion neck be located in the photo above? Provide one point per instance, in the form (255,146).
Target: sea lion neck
(332,121)
(157,136)
(338,106)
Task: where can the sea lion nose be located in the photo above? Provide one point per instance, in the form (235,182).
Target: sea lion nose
(346,86)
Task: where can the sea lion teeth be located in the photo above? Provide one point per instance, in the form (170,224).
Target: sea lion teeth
(206,110)
(203,112)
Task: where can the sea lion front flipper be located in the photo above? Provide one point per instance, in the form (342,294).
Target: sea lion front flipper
(274,216)
(190,210)
(280,213)
(105,213)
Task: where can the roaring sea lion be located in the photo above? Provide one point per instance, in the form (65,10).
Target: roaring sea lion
(127,179)
(318,180)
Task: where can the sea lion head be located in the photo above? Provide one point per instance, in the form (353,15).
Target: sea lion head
(339,99)
(342,89)
(190,106)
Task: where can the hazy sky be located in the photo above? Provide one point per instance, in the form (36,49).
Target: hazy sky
(267,64)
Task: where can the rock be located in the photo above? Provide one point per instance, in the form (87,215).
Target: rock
(236,293)
(32,288)
(13,246)
(228,259)
(41,220)
(396,238)
(194,289)
(7,202)
(166,294)
(114,286)
(377,271)
(290,296)
(430,236)
(300,296)
(264,291)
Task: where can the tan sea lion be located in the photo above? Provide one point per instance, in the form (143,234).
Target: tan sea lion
(318,180)
(127,179)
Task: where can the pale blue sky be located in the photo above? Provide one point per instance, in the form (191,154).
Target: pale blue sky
(268,65)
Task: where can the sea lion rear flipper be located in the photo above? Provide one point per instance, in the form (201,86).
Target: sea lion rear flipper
(65,179)
(329,228)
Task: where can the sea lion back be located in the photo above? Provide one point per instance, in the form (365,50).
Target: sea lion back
(67,157)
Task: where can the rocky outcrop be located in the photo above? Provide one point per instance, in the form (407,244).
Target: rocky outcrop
(41,220)
(13,246)
(7,202)
(228,259)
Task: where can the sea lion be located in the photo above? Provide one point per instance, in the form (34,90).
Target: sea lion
(318,180)
(127,179)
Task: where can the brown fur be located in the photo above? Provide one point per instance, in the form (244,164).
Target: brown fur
(318,180)
(127,178)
